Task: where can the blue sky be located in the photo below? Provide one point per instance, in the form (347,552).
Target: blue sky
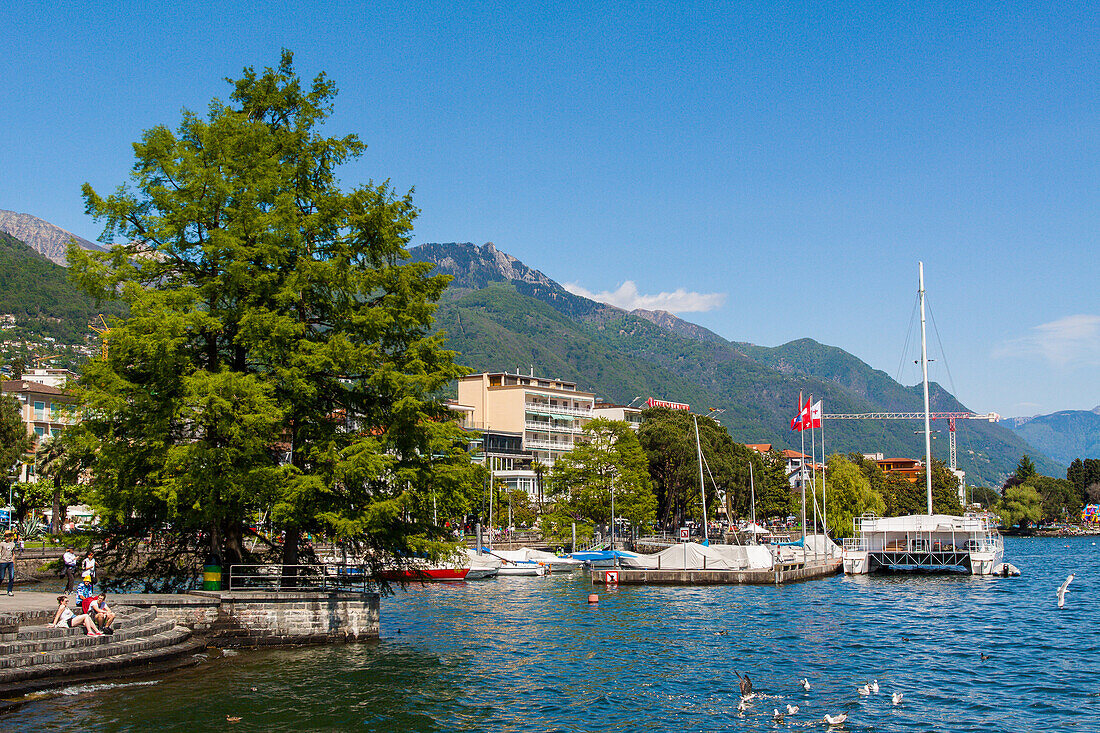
(771,172)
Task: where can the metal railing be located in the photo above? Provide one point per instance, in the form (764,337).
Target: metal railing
(321,577)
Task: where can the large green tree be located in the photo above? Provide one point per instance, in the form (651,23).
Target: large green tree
(607,458)
(278,354)
(1021,505)
(774,497)
(668,438)
(14,439)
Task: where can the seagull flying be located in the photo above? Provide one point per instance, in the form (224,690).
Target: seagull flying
(865,691)
(896,697)
(791,709)
(805,684)
(1062,591)
(836,719)
(874,687)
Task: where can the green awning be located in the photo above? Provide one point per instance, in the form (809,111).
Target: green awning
(560,417)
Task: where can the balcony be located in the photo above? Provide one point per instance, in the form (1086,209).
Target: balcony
(550,427)
(553,410)
(548,445)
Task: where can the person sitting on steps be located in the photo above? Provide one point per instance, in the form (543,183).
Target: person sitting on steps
(101,613)
(66,619)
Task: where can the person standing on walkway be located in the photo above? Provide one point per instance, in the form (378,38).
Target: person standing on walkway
(68,561)
(7,561)
(88,566)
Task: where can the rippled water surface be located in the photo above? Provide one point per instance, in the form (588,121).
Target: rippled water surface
(530,654)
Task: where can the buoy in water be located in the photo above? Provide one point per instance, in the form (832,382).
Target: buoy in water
(593,598)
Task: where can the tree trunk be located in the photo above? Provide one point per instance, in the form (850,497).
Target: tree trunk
(233,543)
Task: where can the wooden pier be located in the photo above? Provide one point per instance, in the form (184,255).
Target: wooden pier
(790,573)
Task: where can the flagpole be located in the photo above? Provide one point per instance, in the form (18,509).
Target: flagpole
(802,435)
(813,469)
(824,466)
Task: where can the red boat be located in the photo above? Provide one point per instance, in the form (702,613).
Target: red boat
(425,572)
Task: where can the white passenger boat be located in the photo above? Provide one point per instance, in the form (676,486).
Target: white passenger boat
(924,542)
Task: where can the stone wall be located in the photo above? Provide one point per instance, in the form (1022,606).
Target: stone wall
(268,618)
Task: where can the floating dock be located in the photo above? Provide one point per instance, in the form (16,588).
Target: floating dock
(780,574)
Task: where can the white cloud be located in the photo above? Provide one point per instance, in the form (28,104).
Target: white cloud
(626,296)
(1073,340)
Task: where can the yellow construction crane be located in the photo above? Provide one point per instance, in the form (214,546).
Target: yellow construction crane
(103,330)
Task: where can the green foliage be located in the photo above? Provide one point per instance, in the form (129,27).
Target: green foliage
(848,494)
(1061,501)
(668,438)
(1021,505)
(985,496)
(945,490)
(1085,477)
(14,439)
(608,458)
(278,354)
(31,528)
(774,497)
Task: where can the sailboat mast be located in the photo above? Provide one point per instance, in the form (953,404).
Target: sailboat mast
(924,377)
(702,486)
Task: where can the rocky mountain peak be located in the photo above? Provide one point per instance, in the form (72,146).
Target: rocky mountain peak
(43,237)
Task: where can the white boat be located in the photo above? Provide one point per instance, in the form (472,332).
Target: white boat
(482,565)
(555,563)
(523,568)
(924,542)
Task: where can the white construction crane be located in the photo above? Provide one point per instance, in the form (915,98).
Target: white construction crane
(950,417)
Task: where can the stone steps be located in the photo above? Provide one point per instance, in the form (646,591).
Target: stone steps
(24,651)
(57,665)
(141,663)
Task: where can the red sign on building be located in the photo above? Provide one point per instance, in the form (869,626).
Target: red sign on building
(670,405)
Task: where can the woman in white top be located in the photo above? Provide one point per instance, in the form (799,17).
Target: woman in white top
(65,618)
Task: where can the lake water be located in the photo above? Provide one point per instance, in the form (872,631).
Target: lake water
(530,654)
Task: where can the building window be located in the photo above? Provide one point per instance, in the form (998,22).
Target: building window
(39,431)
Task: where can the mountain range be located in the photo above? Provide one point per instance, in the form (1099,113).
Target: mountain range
(1063,435)
(502,315)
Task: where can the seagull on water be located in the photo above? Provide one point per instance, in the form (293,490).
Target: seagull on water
(805,684)
(836,719)
(865,691)
(776,715)
(984,656)
(791,709)
(874,686)
(1062,590)
(896,697)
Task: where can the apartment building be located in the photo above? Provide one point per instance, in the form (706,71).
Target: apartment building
(609,411)
(524,419)
(43,410)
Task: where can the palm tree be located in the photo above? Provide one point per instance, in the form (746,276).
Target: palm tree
(54,459)
(540,470)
